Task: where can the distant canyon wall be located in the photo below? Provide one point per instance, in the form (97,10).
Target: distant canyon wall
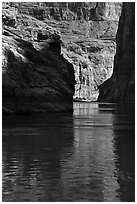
(69,11)
(121,86)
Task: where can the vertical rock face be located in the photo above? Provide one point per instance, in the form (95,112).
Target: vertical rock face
(121,86)
(88,31)
(35,76)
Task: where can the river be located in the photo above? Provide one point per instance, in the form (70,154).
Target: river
(85,156)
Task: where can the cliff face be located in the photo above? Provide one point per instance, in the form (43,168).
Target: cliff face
(69,11)
(93,64)
(121,86)
(88,31)
(36,77)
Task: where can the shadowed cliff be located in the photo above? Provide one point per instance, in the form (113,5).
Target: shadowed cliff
(121,86)
(35,76)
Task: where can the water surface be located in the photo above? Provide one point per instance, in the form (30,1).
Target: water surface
(87,156)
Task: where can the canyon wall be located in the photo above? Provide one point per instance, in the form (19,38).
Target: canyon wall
(70,11)
(35,76)
(121,86)
(88,31)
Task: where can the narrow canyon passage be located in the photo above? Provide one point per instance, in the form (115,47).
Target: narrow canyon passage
(68,93)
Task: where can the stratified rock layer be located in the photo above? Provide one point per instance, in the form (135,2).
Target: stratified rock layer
(70,11)
(88,31)
(93,63)
(36,77)
(121,86)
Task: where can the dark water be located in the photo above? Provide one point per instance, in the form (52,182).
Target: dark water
(87,156)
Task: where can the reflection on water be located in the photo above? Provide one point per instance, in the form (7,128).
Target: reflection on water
(87,156)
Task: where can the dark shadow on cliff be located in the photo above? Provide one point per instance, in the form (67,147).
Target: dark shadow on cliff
(121,86)
(41,80)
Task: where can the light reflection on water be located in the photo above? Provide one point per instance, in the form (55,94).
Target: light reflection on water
(87,156)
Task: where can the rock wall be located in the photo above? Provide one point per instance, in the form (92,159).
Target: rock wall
(88,31)
(69,11)
(35,76)
(121,86)
(93,63)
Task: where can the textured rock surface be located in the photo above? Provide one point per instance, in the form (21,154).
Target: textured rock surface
(36,77)
(70,11)
(88,31)
(121,86)
(89,44)
(93,63)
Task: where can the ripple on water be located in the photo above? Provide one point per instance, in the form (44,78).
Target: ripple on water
(87,156)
